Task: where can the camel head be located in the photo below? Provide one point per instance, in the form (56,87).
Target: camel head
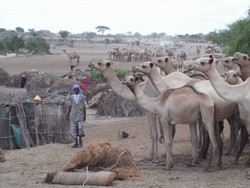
(163,62)
(232,77)
(132,80)
(145,67)
(202,64)
(241,59)
(228,62)
(100,65)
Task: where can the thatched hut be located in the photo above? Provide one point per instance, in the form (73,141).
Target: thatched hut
(4,77)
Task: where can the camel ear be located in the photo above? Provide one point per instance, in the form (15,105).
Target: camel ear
(151,65)
(166,59)
(211,61)
(108,64)
(210,56)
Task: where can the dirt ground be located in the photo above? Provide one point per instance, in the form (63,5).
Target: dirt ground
(28,167)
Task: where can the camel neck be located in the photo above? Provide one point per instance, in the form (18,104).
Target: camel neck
(157,80)
(168,69)
(119,88)
(222,88)
(148,104)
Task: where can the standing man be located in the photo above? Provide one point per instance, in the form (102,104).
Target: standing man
(77,115)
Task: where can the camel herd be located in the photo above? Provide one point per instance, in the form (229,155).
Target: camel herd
(177,98)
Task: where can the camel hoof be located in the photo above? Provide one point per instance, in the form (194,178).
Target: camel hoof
(191,165)
(234,162)
(220,168)
(206,169)
(155,161)
(247,165)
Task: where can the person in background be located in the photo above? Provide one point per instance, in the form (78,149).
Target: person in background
(22,81)
(77,116)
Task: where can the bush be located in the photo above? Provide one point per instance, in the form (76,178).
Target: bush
(121,72)
(38,45)
(95,74)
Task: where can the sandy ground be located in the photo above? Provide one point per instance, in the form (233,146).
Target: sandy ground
(28,167)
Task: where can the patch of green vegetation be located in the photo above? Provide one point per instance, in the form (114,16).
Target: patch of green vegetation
(119,72)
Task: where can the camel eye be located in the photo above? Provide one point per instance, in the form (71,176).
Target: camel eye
(159,61)
(99,63)
(226,61)
(143,66)
(203,63)
(131,79)
(235,75)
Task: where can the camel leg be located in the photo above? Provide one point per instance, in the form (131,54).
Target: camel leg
(154,136)
(193,134)
(206,141)
(168,138)
(200,128)
(234,131)
(243,141)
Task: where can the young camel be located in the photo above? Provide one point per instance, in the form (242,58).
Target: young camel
(105,67)
(173,108)
(71,56)
(224,108)
(235,93)
(243,60)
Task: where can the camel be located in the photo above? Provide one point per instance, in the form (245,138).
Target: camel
(173,108)
(225,109)
(232,77)
(105,67)
(243,60)
(235,93)
(71,56)
(230,65)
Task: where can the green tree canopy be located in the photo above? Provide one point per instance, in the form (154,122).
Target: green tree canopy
(102,29)
(19,30)
(13,43)
(37,45)
(64,34)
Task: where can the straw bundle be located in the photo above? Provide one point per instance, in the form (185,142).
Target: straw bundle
(101,178)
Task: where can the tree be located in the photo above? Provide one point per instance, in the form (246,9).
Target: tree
(19,30)
(37,45)
(13,43)
(64,34)
(129,33)
(33,32)
(102,29)
(2,30)
(240,37)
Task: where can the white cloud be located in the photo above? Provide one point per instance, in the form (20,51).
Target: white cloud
(143,16)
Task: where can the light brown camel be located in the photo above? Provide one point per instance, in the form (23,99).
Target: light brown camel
(173,108)
(232,77)
(225,109)
(230,65)
(243,60)
(105,67)
(71,56)
(235,93)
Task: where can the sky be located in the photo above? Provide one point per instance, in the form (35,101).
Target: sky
(121,16)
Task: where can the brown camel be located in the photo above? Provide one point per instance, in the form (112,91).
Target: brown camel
(71,56)
(243,60)
(236,93)
(173,108)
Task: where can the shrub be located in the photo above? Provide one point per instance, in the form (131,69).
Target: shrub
(38,45)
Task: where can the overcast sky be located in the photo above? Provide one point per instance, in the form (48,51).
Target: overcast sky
(143,16)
